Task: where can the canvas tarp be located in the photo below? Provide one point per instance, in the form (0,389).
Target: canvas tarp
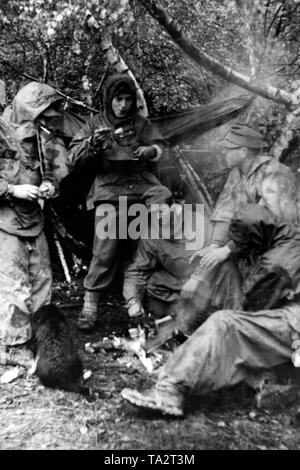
(188,125)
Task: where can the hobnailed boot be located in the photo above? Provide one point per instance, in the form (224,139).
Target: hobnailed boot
(88,315)
(167,400)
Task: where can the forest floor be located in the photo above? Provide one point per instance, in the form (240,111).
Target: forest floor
(35,417)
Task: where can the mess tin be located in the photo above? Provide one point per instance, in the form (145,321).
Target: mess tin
(121,144)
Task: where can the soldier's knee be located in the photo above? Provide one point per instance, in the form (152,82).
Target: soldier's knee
(223,321)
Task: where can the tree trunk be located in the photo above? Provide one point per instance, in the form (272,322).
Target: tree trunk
(213,65)
(246,9)
(2,93)
(86,84)
(282,144)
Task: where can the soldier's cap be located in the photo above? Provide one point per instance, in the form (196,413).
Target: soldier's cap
(241,135)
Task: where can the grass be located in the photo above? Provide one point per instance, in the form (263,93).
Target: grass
(34,417)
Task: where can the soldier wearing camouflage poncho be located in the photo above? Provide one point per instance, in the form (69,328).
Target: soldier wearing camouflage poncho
(25,273)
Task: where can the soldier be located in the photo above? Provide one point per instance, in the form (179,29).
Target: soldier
(125,148)
(160,265)
(25,273)
(242,147)
(226,349)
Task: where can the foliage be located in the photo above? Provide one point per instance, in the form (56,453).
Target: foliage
(57,41)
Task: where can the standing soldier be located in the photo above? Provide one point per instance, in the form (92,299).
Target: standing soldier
(125,148)
(25,273)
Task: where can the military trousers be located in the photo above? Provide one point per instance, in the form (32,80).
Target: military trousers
(231,344)
(107,246)
(25,284)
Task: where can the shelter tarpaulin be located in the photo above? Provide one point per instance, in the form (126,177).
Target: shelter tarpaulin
(69,123)
(187,125)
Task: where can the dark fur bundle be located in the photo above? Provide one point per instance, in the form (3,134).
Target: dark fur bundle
(58,363)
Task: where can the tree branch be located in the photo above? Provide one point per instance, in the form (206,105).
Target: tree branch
(66,97)
(206,61)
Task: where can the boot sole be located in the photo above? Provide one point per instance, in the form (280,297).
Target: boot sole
(136,399)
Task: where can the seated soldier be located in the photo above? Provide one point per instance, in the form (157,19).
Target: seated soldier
(161,262)
(222,352)
(242,153)
(269,233)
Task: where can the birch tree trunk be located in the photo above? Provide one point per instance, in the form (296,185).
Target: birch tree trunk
(246,9)
(206,61)
(2,93)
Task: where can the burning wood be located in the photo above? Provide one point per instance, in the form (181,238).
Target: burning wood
(135,345)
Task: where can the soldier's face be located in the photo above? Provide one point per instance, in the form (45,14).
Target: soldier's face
(48,115)
(234,157)
(269,192)
(121,104)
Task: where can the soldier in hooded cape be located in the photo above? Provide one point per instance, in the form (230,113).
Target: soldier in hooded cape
(35,113)
(125,147)
(25,273)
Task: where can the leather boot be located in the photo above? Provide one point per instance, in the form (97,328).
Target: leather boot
(88,315)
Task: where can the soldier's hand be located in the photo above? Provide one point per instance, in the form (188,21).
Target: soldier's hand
(145,152)
(214,256)
(47,190)
(135,308)
(28,192)
(202,252)
(100,136)
(189,288)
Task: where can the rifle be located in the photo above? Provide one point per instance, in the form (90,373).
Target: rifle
(194,181)
(58,228)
